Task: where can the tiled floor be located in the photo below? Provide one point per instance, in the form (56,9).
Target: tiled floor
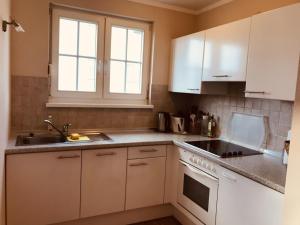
(163,221)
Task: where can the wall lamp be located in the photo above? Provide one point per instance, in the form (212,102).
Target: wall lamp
(13,23)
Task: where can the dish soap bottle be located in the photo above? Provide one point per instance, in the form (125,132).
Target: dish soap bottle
(212,125)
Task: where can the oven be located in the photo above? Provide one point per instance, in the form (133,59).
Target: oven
(197,192)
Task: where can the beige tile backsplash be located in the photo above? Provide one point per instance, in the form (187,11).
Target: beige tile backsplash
(30,94)
(279,114)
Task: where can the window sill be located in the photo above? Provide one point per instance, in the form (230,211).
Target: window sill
(112,105)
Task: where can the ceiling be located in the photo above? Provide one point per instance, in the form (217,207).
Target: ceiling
(187,6)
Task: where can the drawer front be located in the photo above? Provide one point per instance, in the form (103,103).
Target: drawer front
(145,182)
(147,152)
(103,181)
(43,188)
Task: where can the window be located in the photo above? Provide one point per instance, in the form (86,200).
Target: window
(77,55)
(126,60)
(127,55)
(86,70)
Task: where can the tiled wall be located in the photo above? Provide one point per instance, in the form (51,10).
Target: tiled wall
(30,94)
(279,114)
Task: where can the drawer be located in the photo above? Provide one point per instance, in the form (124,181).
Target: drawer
(147,151)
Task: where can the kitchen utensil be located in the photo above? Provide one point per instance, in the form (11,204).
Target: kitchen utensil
(178,124)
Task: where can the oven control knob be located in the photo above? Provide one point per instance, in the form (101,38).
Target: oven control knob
(208,167)
(199,161)
(214,170)
(191,159)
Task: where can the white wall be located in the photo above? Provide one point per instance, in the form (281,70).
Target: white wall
(35,18)
(4,98)
(292,198)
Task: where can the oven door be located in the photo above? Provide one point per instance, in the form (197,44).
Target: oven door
(197,193)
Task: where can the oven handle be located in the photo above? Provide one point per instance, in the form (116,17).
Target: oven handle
(196,171)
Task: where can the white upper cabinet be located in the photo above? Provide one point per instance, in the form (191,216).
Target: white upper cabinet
(186,63)
(274,54)
(226,52)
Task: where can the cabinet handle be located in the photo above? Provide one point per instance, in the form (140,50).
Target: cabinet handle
(229,177)
(105,154)
(193,89)
(138,164)
(255,92)
(148,150)
(221,76)
(68,156)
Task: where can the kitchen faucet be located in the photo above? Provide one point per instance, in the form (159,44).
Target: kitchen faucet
(63,133)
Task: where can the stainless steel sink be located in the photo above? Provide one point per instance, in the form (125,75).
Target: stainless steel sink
(96,136)
(43,139)
(39,139)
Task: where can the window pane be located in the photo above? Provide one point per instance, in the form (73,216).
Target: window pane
(67,73)
(68,36)
(88,39)
(133,78)
(135,45)
(87,75)
(118,43)
(117,77)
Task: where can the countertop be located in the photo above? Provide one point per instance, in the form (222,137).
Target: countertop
(264,169)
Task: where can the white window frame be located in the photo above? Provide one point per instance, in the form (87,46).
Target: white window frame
(72,15)
(101,96)
(110,22)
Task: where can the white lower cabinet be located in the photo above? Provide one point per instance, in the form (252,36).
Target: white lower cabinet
(243,201)
(103,181)
(54,187)
(145,182)
(43,188)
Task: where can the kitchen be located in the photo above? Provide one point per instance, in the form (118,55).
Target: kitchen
(120,158)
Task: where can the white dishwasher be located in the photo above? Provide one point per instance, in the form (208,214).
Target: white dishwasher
(242,201)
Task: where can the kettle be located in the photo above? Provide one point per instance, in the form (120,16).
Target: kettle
(163,122)
(178,124)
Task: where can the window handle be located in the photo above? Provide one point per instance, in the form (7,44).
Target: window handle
(99,66)
(106,67)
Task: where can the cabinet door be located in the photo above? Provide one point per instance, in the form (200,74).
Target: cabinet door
(226,51)
(145,182)
(186,63)
(103,181)
(243,201)
(274,54)
(43,188)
